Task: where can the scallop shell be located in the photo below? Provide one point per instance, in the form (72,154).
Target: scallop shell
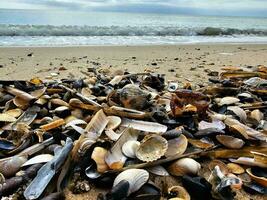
(98,155)
(113,123)
(230,142)
(43,158)
(176,146)
(152,147)
(184,166)
(130,147)
(136,178)
(180,192)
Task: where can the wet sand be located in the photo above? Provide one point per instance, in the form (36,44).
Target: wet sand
(183,62)
(186,63)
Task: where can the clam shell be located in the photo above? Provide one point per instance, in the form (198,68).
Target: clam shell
(158,170)
(184,166)
(239,112)
(176,146)
(203,143)
(235,168)
(256,115)
(152,147)
(151,127)
(98,155)
(181,193)
(136,178)
(230,142)
(19,93)
(113,123)
(38,93)
(130,147)
(14,112)
(6,118)
(59,102)
(214,124)
(228,101)
(43,158)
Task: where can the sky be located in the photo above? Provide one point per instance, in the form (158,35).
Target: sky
(202,7)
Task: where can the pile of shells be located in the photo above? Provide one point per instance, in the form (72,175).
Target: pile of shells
(136,136)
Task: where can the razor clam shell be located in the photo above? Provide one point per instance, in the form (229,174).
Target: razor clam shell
(129,148)
(115,158)
(239,112)
(151,127)
(19,93)
(136,178)
(248,161)
(9,167)
(97,125)
(43,158)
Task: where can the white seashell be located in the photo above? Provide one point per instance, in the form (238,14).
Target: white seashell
(228,101)
(113,123)
(184,166)
(158,170)
(151,127)
(256,115)
(6,118)
(214,124)
(172,86)
(74,124)
(112,135)
(43,158)
(248,161)
(129,148)
(136,178)
(115,159)
(239,112)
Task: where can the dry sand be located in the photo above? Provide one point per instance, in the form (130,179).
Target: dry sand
(178,62)
(185,62)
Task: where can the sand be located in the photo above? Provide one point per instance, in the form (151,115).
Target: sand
(185,63)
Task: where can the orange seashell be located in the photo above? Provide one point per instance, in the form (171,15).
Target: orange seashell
(53,125)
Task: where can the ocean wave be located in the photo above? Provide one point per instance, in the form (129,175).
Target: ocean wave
(48,30)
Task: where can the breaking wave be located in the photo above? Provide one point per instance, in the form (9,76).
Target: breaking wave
(48,30)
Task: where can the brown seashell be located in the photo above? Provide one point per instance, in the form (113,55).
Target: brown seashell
(256,115)
(151,148)
(21,103)
(178,193)
(6,118)
(239,112)
(55,124)
(9,167)
(230,142)
(98,155)
(20,94)
(260,180)
(176,146)
(184,166)
(203,143)
(14,112)
(113,123)
(59,102)
(235,168)
(239,130)
(38,93)
(222,166)
(228,101)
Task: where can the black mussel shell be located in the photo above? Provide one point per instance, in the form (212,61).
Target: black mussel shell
(147,192)
(173,133)
(6,145)
(10,185)
(120,191)
(77,84)
(260,172)
(198,187)
(254,188)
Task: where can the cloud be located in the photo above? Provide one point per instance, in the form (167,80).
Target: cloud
(214,7)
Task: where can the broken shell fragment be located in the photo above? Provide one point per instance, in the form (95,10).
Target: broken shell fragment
(230,142)
(98,155)
(43,158)
(151,148)
(113,123)
(178,193)
(184,166)
(235,168)
(129,148)
(55,124)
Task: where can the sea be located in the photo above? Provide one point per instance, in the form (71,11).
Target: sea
(66,28)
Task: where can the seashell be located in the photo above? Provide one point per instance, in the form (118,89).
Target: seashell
(184,166)
(92,173)
(43,158)
(97,125)
(74,124)
(6,145)
(19,93)
(21,103)
(214,124)
(14,112)
(256,115)
(158,170)
(130,147)
(239,112)
(203,143)
(9,167)
(38,93)
(41,101)
(52,125)
(239,130)
(151,148)
(112,135)
(230,142)
(59,102)
(151,127)
(228,101)
(262,180)
(253,188)
(208,132)
(77,103)
(220,164)
(136,178)
(116,80)
(7,118)
(131,96)
(178,193)
(172,86)
(235,168)
(98,155)
(61,109)
(248,161)
(113,123)
(176,146)
(115,159)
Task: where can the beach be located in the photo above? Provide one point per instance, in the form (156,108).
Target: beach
(185,63)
